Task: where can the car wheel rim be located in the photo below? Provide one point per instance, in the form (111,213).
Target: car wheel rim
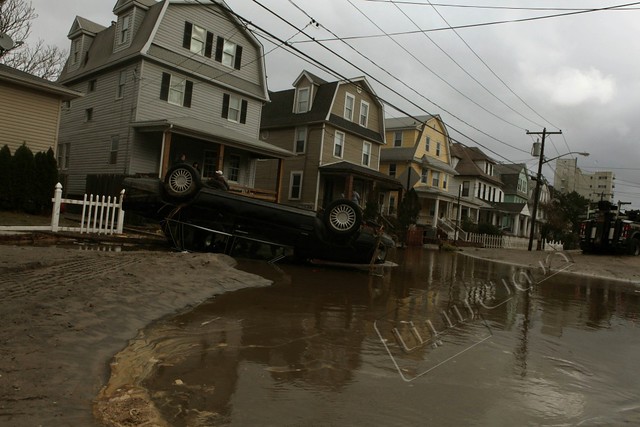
(343,217)
(180,180)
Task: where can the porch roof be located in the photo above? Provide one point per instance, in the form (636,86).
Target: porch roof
(361,171)
(513,208)
(210,132)
(426,191)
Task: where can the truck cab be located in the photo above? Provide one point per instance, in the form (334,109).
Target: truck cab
(610,232)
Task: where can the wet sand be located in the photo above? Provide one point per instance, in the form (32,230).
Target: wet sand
(66,313)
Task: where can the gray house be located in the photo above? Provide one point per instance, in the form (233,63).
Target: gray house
(164,79)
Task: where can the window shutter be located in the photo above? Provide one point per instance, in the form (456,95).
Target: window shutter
(188,90)
(209,46)
(225,106)
(238,57)
(243,111)
(164,86)
(219,46)
(186,39)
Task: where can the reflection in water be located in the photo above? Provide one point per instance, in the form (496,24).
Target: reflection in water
(481,343)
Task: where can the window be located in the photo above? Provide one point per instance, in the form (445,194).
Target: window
(88,114)
(113,153)
(338,144)
(234,108)
(295,185)
(397,139)
(302,104)
(435,179)
(364,113)
(438,145)
(366,153)
(76,51)
(121,82)
(465,188)
(197,40)
(300,144)
(392,169)
(124,29)
(92,85)
(444,181)
(176,90)
(234,167)
(427,144)
(424,175)
(64,150)
(392,204)
(228,53)
(348,106)
(209,163)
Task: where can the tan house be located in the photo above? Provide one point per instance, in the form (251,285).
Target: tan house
(30,110)
(418,155)
(336,130)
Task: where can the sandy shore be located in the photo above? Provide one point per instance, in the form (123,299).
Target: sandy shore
(67,312)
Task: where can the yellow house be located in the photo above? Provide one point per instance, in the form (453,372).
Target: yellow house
(30,110)
(417,153)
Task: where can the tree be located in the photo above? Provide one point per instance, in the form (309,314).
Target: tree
(5,177)
(22,179)
(564,212)
(46,173)
(408,212)
(39,59)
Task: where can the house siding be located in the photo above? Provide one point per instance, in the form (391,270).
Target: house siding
(90,142)
(206,102)
(28,117)
(170,35)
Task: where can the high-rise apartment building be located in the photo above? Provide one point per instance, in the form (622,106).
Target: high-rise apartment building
(595,186)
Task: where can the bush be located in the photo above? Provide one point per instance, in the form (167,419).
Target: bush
(23,179)
(5,178)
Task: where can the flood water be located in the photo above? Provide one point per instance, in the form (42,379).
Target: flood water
(442,339)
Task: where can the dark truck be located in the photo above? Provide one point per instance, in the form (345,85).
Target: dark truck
(203,216)
(610,232)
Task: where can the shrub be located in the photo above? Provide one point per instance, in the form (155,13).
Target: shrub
(5,178)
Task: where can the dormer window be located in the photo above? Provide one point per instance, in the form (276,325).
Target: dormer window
(197,40)
(364,113)
(302,101)
(349,102)
(124,28)
(76,51)
(228,53)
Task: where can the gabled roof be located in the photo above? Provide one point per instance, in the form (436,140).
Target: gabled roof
(311,77)
(510,168)
(467,166)
(279,112)
(83,25)
(518,208)
(20,78)
(395,123)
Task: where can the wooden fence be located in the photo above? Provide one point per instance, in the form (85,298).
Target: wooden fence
(100,214)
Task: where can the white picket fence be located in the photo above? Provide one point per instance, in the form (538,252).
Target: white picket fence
(509,242)
(100,214)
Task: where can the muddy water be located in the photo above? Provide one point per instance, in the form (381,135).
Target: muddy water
(442,339)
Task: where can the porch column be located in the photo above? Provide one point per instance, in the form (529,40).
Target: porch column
(435,213)
(348,187)
(220,164)
(165,155)
(279,181)
(516,225)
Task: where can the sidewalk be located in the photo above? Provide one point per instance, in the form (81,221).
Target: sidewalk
(614,267)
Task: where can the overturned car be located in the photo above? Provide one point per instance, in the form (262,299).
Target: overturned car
(203,216)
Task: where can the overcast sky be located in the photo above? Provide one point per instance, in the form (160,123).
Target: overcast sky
(490,83)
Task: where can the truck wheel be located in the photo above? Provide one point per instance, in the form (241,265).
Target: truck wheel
(343,217)
(634,247)
(182,181)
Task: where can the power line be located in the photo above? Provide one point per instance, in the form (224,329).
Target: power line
(469,6)
(485,24)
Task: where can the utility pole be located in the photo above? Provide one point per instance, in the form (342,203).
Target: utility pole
(536,194)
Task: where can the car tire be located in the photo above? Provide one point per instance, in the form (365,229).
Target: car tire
(343,217)
(182,181)
(634,247)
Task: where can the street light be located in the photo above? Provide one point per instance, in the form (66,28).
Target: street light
(536,194)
